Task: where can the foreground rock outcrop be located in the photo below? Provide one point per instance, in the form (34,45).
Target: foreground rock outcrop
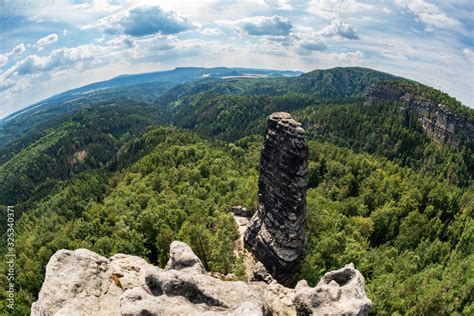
(81,282)
(276,233)
(339,292)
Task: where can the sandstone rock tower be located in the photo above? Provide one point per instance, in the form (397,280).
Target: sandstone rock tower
(276,233)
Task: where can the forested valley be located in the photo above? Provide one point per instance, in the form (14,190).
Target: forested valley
(133,174)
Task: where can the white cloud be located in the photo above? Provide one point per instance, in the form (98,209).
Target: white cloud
(307,41)
(313,45)
(64,11)
(57,59)
(340,59)
(279,4)
(97,6)
(429,14)
(211,31)
(330,9)
(469,55)
(348,58)
(339,28)
(265,25)
(128,42)
(47,40)
(3,60)
(142,21)
(283,35)
(17,50)
(6,84)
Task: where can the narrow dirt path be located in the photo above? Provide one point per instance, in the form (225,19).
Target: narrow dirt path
(239,249)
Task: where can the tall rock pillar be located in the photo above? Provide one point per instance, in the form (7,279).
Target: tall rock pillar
(276,233)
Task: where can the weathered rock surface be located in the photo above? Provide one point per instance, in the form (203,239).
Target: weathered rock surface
(260,273)
(83,283)
(183,258)
(276,233)
(339,292)
(439,123)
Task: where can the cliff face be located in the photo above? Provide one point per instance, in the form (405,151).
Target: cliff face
(276,233)
(441,124)
(81,282)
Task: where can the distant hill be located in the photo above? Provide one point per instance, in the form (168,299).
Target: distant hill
(135,88)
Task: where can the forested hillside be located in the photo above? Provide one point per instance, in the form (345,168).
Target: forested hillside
(116,177)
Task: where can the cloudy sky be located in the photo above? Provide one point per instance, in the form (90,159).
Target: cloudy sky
(49,46)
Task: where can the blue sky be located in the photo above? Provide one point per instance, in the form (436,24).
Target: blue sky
(47,47)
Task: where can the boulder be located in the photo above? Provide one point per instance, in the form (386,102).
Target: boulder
(182,258)
(339,292)
(82,282)
(260,273)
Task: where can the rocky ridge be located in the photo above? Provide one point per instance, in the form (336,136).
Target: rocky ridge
(276,233)
(81,282)
(440,124)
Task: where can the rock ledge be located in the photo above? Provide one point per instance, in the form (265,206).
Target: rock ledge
(81,282)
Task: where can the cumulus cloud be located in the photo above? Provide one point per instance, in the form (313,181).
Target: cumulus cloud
(266,25)
(143,21)
(468,54)
(3,60)
(429,14)
(161,45)
(47,40)
(279,4)
(335,8)
(308,41)
(349,57)
(339,28)
(128,42)
(6,84)
(58,59)
(313,45)
(211,31)
(17,50)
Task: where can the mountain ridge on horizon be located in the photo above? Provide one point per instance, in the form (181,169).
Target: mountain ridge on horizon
(153,76)
(109,83)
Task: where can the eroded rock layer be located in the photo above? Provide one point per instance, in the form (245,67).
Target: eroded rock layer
(440,123)
(81,282)
(340,292)
(276,233)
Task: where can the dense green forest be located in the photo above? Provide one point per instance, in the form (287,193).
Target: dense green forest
(111,177)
